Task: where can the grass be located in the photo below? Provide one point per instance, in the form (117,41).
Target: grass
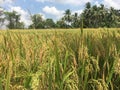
(60,59)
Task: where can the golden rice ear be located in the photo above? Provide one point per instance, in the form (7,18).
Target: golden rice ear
(99,84)
(117,66)
(74,62)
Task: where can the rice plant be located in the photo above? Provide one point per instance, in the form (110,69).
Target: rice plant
(60,60)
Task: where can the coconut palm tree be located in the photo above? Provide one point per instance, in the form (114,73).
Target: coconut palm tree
(87,15)
(67,17)
(75,20)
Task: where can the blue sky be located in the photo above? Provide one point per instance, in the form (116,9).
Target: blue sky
(51,8)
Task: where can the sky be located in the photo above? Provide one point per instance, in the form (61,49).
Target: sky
(50,8)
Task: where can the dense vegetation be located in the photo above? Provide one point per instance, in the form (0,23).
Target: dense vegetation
(60,60)
(93,16)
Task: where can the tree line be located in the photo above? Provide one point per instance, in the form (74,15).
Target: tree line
(93,16)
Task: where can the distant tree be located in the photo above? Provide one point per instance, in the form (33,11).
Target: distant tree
(38,21)
(117,13)
(114,17)
(2,19)
(75,21)
(21,25)
(67,18)
(87,15)
(49,23)
(61,23)
(95,16)
(13,19)
(99,16)
(88,5)
(102,15)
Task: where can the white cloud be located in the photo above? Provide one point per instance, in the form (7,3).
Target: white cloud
(45,0)
(97,3)
(1,9)
(1,1)
(25,17)
(43,16)
(113,3)
(53,11)
(73,2)
(5,1)
(57,13)
(2,24)
(77,11)
(70,2)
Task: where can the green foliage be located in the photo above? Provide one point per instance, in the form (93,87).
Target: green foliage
(49,23)
(100,16)
(38,22)
(14,20)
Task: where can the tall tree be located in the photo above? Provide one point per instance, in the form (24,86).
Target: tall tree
(2,19)
(67,18)
(87,15)
(99,16)
(95,16)
(13,19)
(38,21)
(61,23)
(49,23)
(114,17)
(102,15)
(75,21)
